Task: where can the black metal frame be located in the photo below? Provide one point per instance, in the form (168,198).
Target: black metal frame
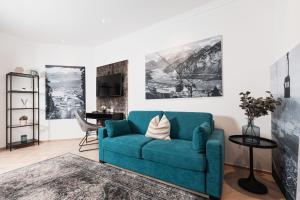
(100,117)
(85,142)
(10,109)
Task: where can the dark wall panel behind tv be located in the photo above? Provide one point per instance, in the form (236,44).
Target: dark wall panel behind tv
(118,102)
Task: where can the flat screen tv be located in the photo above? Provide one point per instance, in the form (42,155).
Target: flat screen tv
(109,86)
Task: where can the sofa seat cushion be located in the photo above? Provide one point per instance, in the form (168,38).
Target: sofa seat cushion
(129,145)
(175,153)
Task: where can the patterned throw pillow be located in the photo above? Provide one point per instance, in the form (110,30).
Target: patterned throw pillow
(159,129)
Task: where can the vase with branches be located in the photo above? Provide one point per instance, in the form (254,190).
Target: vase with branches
(255,108)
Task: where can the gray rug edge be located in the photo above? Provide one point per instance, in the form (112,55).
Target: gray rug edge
(114,166)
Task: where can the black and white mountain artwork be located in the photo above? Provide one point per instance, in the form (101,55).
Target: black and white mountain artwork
(191,70)
(285,84)
(65,91)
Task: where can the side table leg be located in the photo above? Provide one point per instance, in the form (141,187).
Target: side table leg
(251,184)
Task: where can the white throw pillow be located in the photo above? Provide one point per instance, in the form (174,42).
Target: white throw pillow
(159,129)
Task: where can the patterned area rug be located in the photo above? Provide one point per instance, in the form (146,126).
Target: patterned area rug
(73,177)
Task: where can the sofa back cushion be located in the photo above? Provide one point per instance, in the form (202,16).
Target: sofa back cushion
(139,120)
(184,123)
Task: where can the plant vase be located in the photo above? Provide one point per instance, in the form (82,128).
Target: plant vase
(251,130)
(23,122)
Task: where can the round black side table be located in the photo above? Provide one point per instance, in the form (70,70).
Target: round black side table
(251,184)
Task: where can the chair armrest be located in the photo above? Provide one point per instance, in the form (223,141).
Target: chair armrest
(215,163)
(102,134)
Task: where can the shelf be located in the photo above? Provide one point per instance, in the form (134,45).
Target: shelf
(22,75)
(19,126)
(21,91)
(21,108)
(18,144)
(32,92)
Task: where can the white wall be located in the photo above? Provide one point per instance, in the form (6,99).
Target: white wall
(252,40)
(16,52)
(255,34)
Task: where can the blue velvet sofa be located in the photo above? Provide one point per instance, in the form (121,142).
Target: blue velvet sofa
(174,161)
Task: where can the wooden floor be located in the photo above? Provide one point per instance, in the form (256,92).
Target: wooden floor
(26,156)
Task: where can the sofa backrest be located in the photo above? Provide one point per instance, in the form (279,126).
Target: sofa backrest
(183,123)
(139,120)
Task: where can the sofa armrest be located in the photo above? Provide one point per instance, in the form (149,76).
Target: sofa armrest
(215,163)
(102,134)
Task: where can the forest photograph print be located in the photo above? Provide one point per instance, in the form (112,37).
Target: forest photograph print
(191,70)
(65,91)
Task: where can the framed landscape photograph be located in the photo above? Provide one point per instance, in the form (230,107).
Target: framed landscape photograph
(191,70)
(65,91)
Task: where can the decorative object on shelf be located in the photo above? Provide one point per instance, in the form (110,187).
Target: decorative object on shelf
(190,70)
(34,72)
(103,108)
(255,108)
(23,139)
(23,120)
(64,95)
(285,84)
(19,70)
(24,102)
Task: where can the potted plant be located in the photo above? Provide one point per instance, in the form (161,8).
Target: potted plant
(23,120)
(255,108)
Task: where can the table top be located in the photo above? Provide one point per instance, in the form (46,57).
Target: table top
(252,141)
(104,115)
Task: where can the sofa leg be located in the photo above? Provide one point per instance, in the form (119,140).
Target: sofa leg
(214,198)
(100,161)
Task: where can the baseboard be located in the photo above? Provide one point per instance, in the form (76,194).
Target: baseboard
(64,139)
(57,140)
(246,167)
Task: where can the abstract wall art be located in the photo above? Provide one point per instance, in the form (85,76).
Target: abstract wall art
(65,91)
(191,70)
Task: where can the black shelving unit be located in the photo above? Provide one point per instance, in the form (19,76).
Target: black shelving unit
(10,111)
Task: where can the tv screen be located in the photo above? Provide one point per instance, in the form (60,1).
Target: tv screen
(109,86)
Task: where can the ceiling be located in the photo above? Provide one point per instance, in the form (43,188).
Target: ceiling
(85,22)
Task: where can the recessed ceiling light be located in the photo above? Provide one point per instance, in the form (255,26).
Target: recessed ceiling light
(103,21)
